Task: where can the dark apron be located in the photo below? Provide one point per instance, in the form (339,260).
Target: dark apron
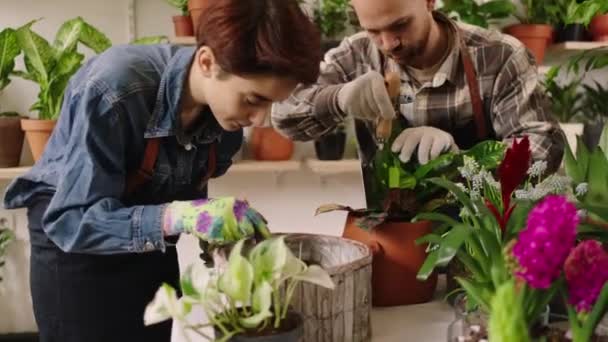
(465,137)
(100,298)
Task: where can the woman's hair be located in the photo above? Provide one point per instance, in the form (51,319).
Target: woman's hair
(261,37)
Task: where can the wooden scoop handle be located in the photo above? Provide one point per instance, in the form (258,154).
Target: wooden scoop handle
(393,86)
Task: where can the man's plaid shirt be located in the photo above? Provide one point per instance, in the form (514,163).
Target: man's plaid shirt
(506,72)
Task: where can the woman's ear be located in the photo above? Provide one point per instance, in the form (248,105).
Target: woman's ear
(205,60)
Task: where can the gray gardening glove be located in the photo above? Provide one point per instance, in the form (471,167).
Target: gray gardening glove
(366,98)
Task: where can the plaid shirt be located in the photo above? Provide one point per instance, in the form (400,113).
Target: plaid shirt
(513,99)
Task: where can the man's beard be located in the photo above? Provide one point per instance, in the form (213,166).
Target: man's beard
(404,55)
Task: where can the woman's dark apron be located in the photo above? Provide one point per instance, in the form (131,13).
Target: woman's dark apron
(89,298)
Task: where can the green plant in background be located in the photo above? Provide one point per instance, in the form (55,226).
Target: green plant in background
(331,16)
(470,12)
(52,65)
(251,293)
(151,40)
(575,12)
(6,236)
(566,99)
(9,50)
(181,5)
(595,102)
(539,12)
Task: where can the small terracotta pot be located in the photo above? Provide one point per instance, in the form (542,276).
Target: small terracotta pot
(534,37)
(37,133)
(182,24)
(11,141)
(196,9)
(267,144)
(599,28)
(396,261)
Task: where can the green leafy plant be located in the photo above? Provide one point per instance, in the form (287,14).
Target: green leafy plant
(9,50)
(583,12)
(399,191)
(539,12)
(52,65)
(252,293)
(151,40)
(469,11)
(595,102)
(181,5)
(566,99)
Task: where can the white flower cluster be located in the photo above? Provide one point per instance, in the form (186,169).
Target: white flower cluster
(553,184)
(537,169)
(581,189)
(469,169)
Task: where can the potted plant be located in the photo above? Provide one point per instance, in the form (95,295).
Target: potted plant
(51,66)
(535,29)
(182,24)
(470,12)
(599,23)
(248,300)
(574,18)
(396,192)
(11,135)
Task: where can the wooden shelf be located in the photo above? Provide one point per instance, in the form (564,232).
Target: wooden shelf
(183,40)
(13,172)
(331,167)
(238,167)
(265,166)
(558,53)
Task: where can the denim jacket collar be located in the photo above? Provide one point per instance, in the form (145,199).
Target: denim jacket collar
(165,117)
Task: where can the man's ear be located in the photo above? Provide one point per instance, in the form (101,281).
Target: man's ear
(205,60)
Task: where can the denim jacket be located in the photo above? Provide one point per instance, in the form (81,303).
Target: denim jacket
(111,105)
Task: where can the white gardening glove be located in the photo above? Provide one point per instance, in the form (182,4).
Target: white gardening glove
(431,143)
(366,98)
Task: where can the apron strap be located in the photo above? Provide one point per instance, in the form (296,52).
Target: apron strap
(471,75)
(146,169)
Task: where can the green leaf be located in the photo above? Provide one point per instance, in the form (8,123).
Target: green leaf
(150,40)
(262,298)
(68,36)
(438,163)
(429,238)
(460,195)
(476,292)
(23,75)
(597,312)
(9,50)
(488,154)
(600,210)
(597,179)
(93,38)
(603,143)
(428,266)
(39,55)
(314,274)
(237,280)
(452,242)
(268,258)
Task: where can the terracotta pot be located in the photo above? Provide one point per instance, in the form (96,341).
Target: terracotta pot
(11,141)
(267,144)
(534,37)
(37,133)
(196,9)
(182,24)
(599,28)
(396,261)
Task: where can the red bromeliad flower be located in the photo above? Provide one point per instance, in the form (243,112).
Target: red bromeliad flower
(512,172)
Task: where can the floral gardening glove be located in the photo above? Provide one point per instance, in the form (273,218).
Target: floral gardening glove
(216,221)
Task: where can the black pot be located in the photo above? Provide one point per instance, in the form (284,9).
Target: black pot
(331,146)
(292,335)
(592,131)
(571,32)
